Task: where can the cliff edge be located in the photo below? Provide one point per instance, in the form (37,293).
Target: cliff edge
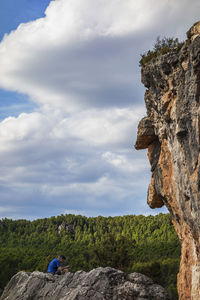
(171,131)
(99,284)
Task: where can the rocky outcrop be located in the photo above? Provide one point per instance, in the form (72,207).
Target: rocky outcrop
(67,228)
(100,283)
(171,132)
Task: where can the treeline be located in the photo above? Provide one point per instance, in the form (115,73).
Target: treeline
(148,245)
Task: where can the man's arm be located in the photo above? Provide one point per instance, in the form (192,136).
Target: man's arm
(65,267)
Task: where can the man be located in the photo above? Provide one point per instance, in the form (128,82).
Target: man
(55,266)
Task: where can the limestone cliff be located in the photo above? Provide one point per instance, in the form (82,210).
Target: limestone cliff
(98,284)
(171,131)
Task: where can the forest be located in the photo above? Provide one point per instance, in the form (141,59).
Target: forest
(145,244)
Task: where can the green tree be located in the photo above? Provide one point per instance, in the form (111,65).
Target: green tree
(162,46)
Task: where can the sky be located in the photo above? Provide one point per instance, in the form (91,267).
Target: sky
(71,98)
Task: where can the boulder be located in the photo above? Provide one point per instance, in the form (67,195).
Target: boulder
(98,284)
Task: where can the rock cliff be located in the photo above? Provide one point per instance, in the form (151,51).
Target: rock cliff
(100,283)
(171,131)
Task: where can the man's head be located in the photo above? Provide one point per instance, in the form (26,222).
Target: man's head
(61,258)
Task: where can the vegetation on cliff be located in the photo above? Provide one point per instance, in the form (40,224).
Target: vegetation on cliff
(148,245)
(162,46)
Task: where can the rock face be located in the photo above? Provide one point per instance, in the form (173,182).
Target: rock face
(171,133)
(100,283)
(66,227)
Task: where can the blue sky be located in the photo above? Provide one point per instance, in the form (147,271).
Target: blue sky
(12,14)
(70,101)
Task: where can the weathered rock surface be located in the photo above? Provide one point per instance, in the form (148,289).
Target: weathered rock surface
(66,227)
(172,100)
(100,283)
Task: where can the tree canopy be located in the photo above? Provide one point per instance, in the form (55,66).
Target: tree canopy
(148,245)
(161,46)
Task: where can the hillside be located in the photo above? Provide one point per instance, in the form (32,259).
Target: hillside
(148,245)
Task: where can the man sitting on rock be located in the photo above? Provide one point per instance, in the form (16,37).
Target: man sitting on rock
(55,266)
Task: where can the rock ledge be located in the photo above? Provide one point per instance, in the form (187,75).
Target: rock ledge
(101,283)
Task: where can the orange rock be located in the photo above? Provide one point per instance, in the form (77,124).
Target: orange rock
(153,199)
(171,133)
(146,134)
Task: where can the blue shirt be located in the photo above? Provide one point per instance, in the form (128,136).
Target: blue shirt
(53,266)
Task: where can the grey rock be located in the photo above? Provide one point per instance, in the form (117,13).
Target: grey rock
(172,100)
(66,227)
(98,284)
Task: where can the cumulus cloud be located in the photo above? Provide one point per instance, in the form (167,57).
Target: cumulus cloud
(79,65)
(76,53)
(83,161)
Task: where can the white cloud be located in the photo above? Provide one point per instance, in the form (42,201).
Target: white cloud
(79,64)
(22,127)
(37,139)
(75,57)
(124,164)
(101,127)
(65,160)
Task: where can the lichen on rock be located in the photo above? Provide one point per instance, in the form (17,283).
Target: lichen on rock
(172,100)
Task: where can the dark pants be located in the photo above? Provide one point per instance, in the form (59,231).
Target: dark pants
(58,272)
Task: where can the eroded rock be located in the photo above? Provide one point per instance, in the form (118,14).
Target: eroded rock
(172,100)
(66,227)
(146,134)
(101,283)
